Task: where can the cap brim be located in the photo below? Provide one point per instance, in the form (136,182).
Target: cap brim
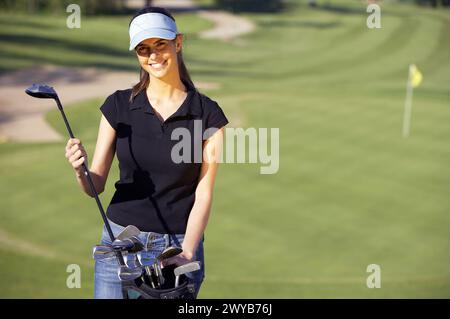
(153,33)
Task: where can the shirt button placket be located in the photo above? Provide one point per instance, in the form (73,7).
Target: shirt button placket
(161,133)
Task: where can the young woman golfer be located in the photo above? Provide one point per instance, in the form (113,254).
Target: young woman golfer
(167,198)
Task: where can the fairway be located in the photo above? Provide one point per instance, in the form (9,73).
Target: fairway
(350,190)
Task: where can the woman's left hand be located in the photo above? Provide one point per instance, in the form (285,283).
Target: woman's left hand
(178,260)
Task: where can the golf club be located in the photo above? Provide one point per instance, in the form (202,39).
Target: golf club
(184,269)
(100,252)
(158,273)
(102,249)
(126,274)
(144,260)
(128,232)
(131,261)
(132,244)
(167,253)
(42,91)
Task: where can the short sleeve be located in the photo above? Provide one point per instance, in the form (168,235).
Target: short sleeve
(109,110)
(215,120)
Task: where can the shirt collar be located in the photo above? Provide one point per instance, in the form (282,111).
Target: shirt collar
(191,104)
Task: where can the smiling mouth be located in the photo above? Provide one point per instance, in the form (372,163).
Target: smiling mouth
(158,66)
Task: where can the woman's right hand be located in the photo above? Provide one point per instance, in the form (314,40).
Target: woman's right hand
(76,154)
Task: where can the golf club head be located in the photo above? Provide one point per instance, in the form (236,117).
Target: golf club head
(104,256)
(128,232)
(144,259)
(170,252)
(138,245)
(41,91)
(131,244)
(127,274)
(184,269)
(102,252)
(131,261)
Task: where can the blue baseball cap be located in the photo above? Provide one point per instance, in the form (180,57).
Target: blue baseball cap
(151,25)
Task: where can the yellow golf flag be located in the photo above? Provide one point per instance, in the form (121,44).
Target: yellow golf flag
(415,76)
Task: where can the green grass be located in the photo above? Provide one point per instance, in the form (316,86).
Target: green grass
(350,191)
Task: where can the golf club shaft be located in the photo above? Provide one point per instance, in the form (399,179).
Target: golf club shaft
(91,185)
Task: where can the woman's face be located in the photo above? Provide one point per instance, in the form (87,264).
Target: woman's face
(159,56)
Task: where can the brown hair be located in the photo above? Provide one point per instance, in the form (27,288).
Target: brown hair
(144,78)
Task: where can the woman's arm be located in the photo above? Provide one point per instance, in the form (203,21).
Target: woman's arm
(103,157)
(198,218)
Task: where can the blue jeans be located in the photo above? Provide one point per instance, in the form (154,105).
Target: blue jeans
(106,281)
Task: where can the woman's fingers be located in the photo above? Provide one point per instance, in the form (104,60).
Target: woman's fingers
(71,142)
(78,163)
(75,156)
(75,153)
(72,146)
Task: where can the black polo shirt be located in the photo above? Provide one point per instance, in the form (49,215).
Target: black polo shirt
(154,193)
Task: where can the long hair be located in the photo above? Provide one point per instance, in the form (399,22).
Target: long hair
(144,78)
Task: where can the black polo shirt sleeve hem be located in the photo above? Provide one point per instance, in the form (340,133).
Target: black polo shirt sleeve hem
(109,110)
(215,120)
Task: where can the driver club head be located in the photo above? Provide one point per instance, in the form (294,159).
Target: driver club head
(41,91)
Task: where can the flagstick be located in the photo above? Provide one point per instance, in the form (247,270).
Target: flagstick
(408,106)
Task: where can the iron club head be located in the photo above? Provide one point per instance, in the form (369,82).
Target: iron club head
(128,232)
(184,269)
(170,252)
(100,252)
(126,274)
(131,244)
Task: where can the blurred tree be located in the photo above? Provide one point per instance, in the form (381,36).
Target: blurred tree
(251,5)
(433,3)
(92,7)
(32,6)
(312,3)
(88,7)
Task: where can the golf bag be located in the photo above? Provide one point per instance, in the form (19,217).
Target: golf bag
(140,289)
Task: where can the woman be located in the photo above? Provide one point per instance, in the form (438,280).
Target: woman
(163,190)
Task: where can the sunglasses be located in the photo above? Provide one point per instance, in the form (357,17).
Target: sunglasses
(145,50)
